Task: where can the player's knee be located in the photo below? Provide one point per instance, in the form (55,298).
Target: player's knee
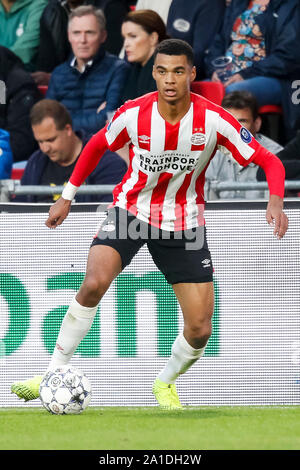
(200,330)
(95,287)
(206,334)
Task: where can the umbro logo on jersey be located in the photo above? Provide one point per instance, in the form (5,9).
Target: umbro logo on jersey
(198,138)
(144,139)
(206,263)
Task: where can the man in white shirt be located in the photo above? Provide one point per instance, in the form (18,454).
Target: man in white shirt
(162,8)
(223,168)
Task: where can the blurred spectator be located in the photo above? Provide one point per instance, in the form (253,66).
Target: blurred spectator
(142,30)
(91,83)
(6,156)
(160,6)
(18,95)
(20,28)
(55,48)
(223,168)
(60,148)
(262,37)
(189,20)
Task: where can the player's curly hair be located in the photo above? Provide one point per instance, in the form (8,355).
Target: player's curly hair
(175,47)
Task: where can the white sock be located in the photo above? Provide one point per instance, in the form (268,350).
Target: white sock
(75,326)
(182,358)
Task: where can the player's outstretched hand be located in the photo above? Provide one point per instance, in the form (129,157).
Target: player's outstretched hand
(58,212)
(275,216)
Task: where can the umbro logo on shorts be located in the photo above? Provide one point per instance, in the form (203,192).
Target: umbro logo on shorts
(110,227)
(206,263)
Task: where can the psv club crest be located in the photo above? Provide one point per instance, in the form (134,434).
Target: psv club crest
(198,138)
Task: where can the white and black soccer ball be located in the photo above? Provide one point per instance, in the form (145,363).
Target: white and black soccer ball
(65,390)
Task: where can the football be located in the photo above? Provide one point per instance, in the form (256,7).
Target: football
(65,390)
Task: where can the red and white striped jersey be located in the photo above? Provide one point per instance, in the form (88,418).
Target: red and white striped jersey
(164,184)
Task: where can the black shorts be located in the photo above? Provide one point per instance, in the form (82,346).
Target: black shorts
(181,256)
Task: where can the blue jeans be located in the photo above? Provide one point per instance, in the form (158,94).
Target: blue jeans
(266,90)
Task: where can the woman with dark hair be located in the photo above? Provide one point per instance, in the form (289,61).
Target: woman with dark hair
(142,30)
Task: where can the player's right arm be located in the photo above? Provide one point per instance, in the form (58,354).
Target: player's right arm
(87,162)
(113,136)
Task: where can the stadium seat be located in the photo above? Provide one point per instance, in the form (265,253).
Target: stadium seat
(270,109)
(18,170)
(213,91)
(17,173)
(272,121)
(43,89)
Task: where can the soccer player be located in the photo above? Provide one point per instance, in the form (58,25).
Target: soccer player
(172,135)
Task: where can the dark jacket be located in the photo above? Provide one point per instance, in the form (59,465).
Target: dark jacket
(21,94)
(280,25)
(110,170)
(290,157)
(197,23)
(292,150)
(54,48)
(139,81)
(83,93)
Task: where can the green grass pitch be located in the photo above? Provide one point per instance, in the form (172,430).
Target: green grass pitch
(203,428)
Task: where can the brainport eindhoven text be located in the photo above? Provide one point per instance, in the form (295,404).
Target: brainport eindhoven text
(175,161)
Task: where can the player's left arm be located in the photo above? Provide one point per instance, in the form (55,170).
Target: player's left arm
(238,141)
(275,176)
